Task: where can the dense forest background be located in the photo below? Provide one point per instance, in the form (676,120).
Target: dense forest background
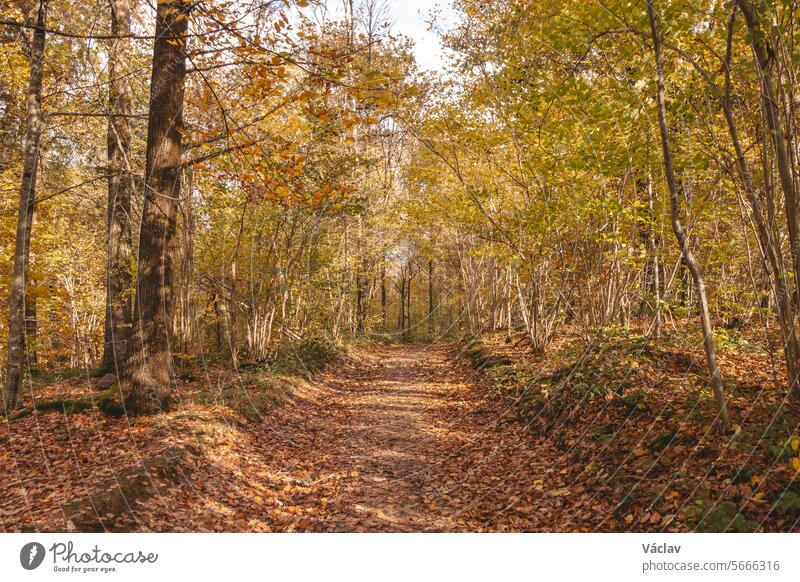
(239,183)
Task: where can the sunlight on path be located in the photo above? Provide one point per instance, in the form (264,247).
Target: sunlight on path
(421,448)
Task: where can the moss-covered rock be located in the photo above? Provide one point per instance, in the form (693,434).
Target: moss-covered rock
(64,405)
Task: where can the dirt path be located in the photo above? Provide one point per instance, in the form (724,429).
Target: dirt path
(393,438)
(409,442)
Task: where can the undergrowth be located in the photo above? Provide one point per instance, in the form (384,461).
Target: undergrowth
(632,413)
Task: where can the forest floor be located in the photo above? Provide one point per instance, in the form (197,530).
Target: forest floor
(393,438)
(388,438)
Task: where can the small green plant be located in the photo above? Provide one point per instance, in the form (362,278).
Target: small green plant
(731,340)
(663,440)
(788,503)
(304,356)
(636,400)
(720,517)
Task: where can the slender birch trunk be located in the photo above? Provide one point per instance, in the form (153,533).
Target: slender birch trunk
(27,196)
(691,262)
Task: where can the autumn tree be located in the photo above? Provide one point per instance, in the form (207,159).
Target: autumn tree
(27,199)
(121,188)
(677,226)
(148,368)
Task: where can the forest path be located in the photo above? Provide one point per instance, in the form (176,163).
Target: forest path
(389,438)
(406,439)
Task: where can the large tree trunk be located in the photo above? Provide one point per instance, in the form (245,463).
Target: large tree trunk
(691,262)
(120,191)
(27,193)
(147,376)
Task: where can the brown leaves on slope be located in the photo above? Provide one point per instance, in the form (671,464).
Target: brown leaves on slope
(631,420)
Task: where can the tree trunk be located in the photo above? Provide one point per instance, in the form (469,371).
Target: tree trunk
(186,314)
(407,328)
(383,296)
(691,263)
(652,243)
(765,59)
(120,191)
(430,300)
(360,308)
(509,307)
(401,320)
(31,332)
(27,193)
(148,370)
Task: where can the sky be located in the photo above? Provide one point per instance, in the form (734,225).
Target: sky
(410,18)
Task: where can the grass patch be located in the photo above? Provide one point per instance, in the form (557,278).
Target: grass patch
(254,395)
(304,357)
